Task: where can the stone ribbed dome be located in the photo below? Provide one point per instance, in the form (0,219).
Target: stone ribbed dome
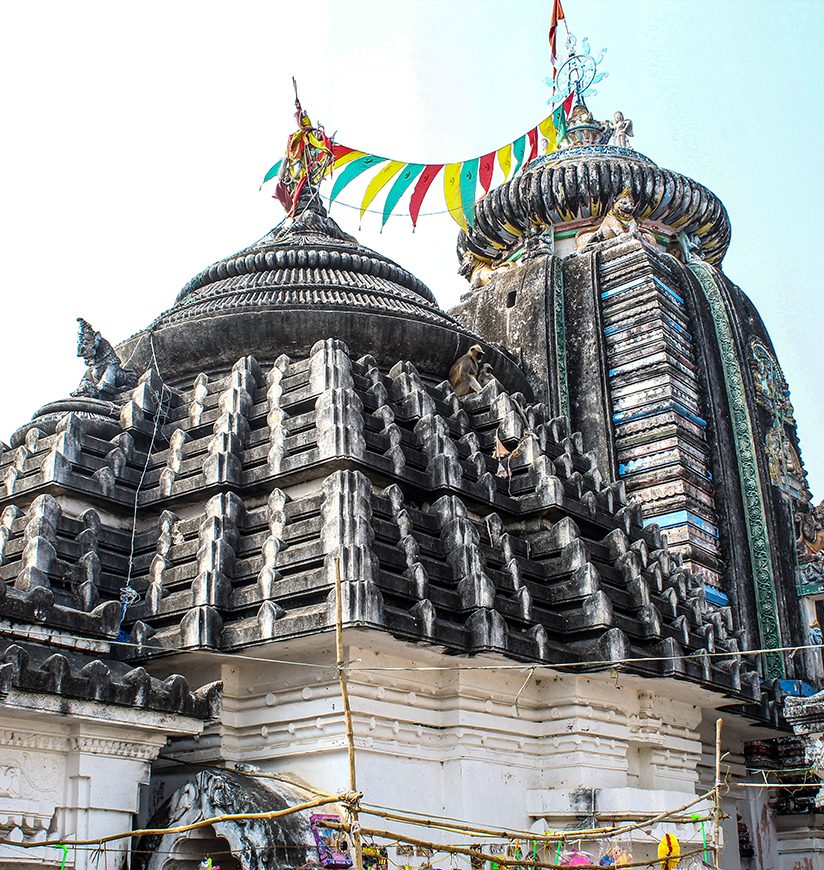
(305,281)
(583,182)
(310,262)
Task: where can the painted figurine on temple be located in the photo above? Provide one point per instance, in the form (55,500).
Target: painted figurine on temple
(620,219)
(105,376)
(620,129)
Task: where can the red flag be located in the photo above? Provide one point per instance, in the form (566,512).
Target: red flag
(532,135)
(568,102)
(557,15)
(423,184)
(339,150)
(485,169)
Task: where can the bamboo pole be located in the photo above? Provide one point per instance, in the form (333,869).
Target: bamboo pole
(347,715)
(180,829)
(548,837)
(716,800)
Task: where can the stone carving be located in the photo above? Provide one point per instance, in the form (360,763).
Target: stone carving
(620,219)
(583,129)
(255,844)
(771,389)
(806,715)
(463,376)
(480,272)
(620,128)
(560,336)
(105,376)
(539,240)
(771,392)
(754,510)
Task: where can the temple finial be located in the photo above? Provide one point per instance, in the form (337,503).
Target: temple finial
(305,164)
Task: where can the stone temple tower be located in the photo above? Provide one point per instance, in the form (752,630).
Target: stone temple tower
(659,360)
(550,588)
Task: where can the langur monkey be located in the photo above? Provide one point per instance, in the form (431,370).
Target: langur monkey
(485,375)
(463,376)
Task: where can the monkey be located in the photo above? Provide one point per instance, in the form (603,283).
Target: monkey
(485,375)
(463,376)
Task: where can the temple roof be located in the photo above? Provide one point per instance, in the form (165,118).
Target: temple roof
(302,282)
(537,559)
(308,260)
(576,184)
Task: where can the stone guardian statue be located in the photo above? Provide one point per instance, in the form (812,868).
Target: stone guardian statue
(105,376)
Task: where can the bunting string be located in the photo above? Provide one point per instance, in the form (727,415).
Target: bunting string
(461,183)
(311,157)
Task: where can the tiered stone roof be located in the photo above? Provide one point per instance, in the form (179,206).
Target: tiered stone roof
(536,559)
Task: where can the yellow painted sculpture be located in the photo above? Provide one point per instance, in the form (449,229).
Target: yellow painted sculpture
(620,219)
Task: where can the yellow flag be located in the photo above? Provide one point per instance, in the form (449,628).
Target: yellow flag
(348,157)
(549,132)
(505,159)
(384,176)
(452,193)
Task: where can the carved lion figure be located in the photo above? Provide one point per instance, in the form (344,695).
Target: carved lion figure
(479,272)
(104,377)
(619,219)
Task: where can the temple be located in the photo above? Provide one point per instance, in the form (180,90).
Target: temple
(551,586)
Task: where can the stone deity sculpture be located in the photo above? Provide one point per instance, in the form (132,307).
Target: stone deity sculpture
(620,219)
(105,376)
(620,129)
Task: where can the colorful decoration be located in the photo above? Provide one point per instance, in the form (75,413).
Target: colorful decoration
(311,156)
(557,15)
(308,160)
(617,856)
(333,849)
(375,857)
(574,858)
(669,851)
(65,855)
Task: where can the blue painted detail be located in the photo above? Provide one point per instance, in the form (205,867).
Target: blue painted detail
(797,688)
(629,416)
(676,518)
(674,324)
(716,596)
(683,518)
(621,288)
(669,291)
(693,418)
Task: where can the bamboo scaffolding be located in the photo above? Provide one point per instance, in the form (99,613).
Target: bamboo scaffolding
(674,817)
(347,715)
(716,833)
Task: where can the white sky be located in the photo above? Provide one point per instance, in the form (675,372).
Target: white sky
(135,137)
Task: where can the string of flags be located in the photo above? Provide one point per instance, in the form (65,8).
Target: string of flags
(312,156)
(460,180)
